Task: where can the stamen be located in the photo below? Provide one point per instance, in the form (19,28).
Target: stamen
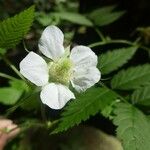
(61,71)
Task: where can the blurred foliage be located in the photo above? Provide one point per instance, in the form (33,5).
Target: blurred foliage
(119,96)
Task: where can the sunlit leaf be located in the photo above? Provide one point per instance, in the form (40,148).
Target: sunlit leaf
(13,29)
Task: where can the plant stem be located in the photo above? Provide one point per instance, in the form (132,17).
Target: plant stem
(119,42)
(12,67)
(100,34)
(7,76)
(43,112)
(24,45)
(111,42)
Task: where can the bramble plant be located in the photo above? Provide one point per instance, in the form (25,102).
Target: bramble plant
(102,84)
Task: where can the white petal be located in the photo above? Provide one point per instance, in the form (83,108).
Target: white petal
(56,95)
(51,42)
(85,78)
(83,56)
(34,68)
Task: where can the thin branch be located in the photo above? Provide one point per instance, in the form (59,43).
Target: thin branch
(7,76)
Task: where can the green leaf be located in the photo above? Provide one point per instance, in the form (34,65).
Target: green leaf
(88,103)
(74,18)
(104,16)
(2,51)
(108,110)
(148,118)
(19,85)
(112,60)
(9,96)
(31,102)
(132,78)
(133,127)
(141,96)
(44,19)
(102,10)
(13,29)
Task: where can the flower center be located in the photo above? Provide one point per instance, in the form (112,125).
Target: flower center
(60,71)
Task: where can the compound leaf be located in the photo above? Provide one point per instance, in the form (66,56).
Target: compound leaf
(13,29)
(132,78)
(87,104)
(133,127)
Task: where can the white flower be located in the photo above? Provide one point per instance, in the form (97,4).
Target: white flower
(55,76)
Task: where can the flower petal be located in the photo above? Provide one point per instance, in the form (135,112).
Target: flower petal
(51,42)
(83,56)
(85,78)
(34,68)
(56,95)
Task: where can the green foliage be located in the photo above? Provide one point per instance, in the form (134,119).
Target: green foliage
(103,10)
(112,60)
(87,104)
(105,15)
(108,110)
(74,18)
(141,96)
(2,51)
(30,99)
(133,127)
(132,78)
(102,16)
(31,102)
(44,19)
(12,30)
(10,95)
(55,17)
(18,84)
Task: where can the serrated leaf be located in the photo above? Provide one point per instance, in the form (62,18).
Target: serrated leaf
(9,96)
(112,60)
(132,78)
(13,29)
(74,18)
(87,104)
(133,127)
(107,111)
(104,16)
(141,96)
